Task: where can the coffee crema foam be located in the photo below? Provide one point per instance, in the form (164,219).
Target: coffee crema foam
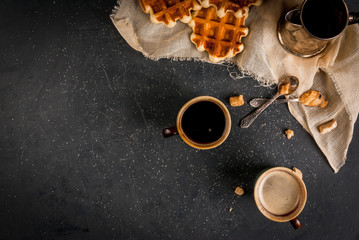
(279,193)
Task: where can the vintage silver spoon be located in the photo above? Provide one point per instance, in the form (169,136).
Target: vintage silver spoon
(256,102)
(293,81)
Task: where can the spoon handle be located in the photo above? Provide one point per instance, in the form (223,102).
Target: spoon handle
(249,119)
(256,102)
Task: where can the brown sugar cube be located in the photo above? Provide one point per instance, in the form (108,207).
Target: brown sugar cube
(284,89)
(289,133)
(328,126)
(324,104)
(236,101)
(239,191)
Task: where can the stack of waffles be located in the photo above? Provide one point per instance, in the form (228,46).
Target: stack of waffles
(218,25)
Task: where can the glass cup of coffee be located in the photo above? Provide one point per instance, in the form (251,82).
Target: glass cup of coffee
(280,195)
(307,30)
(203,122)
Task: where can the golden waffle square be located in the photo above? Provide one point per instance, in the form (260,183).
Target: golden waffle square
(220,37)
(239,7)
(168,11)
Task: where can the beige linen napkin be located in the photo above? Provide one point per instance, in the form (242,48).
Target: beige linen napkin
(335,72)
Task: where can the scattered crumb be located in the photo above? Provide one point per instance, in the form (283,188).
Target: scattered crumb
(328,126)
(289,133)
(230,209)
(324,104)
(311,98)
(239,191)
(284,89)
(236,101)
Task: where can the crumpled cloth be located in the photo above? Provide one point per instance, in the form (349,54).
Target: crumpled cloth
(334,72)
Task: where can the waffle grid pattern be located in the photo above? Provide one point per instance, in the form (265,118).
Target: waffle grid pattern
(220,37)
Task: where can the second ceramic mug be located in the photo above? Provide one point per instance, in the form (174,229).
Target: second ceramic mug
(280,195)
(203,122)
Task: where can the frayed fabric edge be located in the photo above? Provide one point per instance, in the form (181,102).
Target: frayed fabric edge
(243,72)
(264,82)
(246,73)
(115,8)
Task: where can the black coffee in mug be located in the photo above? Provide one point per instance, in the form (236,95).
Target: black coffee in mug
(203,122)
(324,18)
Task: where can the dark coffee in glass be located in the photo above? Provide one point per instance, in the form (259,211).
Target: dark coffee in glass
(324,18)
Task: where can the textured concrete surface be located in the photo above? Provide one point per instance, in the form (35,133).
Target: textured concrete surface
(81,151)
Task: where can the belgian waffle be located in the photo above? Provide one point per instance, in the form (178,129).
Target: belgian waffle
(239,7)
(220,37)
(168,11)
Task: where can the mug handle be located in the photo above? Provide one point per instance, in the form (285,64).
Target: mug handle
(296,223)
(169,132)
(353,18)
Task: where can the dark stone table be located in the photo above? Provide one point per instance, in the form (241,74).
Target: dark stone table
(81,151)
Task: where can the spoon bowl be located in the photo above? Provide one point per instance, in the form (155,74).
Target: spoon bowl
(290,81)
